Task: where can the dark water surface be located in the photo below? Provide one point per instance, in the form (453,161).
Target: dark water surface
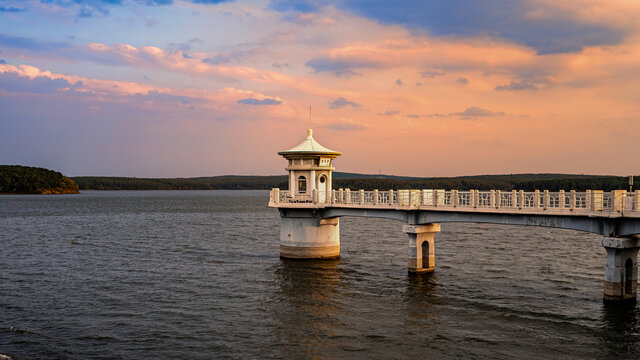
(197,275)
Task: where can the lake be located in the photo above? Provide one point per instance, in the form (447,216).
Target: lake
(197,275)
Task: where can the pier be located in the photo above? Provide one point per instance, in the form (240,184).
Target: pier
(310,211)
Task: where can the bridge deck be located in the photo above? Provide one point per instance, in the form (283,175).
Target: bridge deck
(615,204)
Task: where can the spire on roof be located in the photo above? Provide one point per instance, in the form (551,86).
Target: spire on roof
(310,146)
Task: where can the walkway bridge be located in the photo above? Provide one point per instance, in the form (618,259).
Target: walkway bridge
(611,214)
(310,227)
(310,214)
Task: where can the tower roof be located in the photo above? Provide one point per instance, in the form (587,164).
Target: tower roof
(309,146)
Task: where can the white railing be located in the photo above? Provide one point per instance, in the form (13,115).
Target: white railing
(590,201)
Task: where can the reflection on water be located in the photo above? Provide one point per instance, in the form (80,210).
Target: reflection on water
(422,298)
(306,313)
(619,334)
(197,275)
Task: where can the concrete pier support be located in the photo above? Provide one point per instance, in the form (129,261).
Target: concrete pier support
(309,238)
(422,257)
(621,269)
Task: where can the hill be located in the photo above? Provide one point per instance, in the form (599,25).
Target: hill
(527,182)
(16,179)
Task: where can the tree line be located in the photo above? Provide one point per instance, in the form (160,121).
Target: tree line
(527,182)
(16,179)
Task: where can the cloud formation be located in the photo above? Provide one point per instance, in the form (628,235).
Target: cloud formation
(542,25)
(345,126)
(470,113)
(14,82)
(516,85)
(342,102)
(266,101)
(19,42)
(475,111)
(389,113)
(343,58)
(430,74)
(156,96)
(11,9)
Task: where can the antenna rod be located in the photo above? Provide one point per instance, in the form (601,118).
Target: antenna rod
(309,116)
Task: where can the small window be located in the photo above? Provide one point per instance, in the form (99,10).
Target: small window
(302,185)
(322,179)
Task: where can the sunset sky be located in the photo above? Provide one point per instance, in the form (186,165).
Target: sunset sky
(173,88)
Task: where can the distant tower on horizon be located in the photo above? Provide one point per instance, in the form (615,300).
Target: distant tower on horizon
(310,169)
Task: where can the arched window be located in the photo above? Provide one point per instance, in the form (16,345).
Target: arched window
(302,185)
(628,276)
(425,255)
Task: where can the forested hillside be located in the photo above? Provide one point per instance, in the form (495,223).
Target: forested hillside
(15,179)
(228,182)
(528,182)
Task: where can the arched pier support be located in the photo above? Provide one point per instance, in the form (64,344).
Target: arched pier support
(422,256)
(309,238)
(621,269)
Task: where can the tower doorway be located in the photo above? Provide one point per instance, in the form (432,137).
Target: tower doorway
(322,188)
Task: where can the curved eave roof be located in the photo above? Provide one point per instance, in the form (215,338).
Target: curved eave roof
(309,147)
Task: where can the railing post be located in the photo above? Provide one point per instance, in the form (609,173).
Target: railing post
(314,195)
(415,195)
(361,196)
(618,200)
(536,199)
(390,197)
(498,200)
(587,200)
(454,198)
(572,200)
(333,196)
(275,195)
(435,197)
(347,196)
(561,199)
(492,198)
(521,200)
(514,199)
(545,201)
(375,197)
(636,201)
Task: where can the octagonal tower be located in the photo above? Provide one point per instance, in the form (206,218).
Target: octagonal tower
(304,235)
(310,168)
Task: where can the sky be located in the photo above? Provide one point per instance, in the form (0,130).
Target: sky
(183,88)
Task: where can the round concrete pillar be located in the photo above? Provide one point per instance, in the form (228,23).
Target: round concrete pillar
(309,238)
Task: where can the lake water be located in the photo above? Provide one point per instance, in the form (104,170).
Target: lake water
(197,275)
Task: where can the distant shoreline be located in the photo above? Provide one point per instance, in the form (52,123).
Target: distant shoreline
(17,180)
(527,182)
